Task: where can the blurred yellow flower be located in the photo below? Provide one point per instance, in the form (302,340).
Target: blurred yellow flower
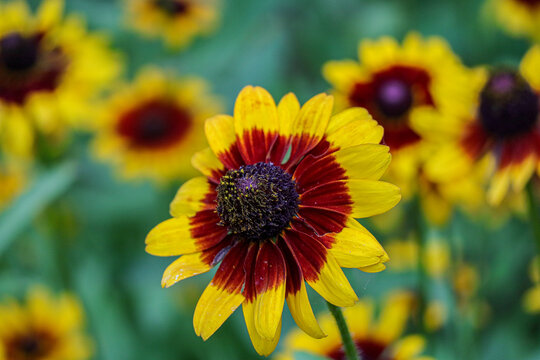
(531,299)
(466,280)
(392,81)
(45,327)
(177,21)
(12,182)
(51,70)
(518,17)
(497,129)
(151,128)
(373,336)
(435,315)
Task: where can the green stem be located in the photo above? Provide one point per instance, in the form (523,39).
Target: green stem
(351,351)
(420,242)
(534,216)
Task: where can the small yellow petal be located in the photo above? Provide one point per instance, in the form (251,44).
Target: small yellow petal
(184,267)
(262,345)
(302,313)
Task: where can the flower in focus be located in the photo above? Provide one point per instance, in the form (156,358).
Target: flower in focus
(498,128)
(51,70)
(391,81)
(44,327)
(277,207)
(518,17)
(376,338)
(178,21)
(151,127)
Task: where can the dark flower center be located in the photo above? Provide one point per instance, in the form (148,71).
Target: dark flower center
(17,52)
(531,3)
(370,350)
(394,98)
(157,123)
(34,345)
(256,201)
(508,105)
(173,7)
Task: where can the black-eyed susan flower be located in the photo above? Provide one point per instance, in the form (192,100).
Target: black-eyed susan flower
(391,81)
(276,209)
(177,21)
(45,327)
(498,127)
(152,127)
(51,70)
(376,338)
(518,17)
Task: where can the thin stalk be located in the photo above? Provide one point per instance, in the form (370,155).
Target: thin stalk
(351,351)
(421,270)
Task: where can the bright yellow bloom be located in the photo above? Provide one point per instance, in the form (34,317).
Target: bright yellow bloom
(392,81)
(51,71)
(518,17)
(44,328)
(276,208)
(372,336)
(177,21)
(496,128)
(152,127)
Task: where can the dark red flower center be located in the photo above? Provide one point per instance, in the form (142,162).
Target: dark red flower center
(173,7)
(531,3)
(155,124)
(32,346)
(257,201)
(508,105)
(370,350)
(26,67)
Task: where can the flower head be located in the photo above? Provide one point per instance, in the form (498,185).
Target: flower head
(518,17)
(149,128)
(51,71)
(276,209)
(44,328)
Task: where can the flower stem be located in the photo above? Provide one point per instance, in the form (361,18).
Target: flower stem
(421,270)
(534,216)
(351,352)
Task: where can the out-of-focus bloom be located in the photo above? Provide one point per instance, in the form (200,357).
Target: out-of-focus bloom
(375,338)
(12,182)
(518,17)
(177,21)
(277,207)
(435,315)
(498,126)
(531,299)
(437,257)
(391,81)
(44,327)
(465,281)
(51,70)
(152,127)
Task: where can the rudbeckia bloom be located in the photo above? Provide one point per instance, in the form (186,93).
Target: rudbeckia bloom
(376,339)
(51,70)
(498,127)
(45,327)
(177,21)
(391,81)
(518,17)
(150,128)
(276,208)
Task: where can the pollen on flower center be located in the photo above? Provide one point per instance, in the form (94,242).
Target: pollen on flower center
(256,201)
(508,105)
(18,53)
(394,98)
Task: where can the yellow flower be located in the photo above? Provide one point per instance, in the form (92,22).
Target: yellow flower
(152,127)
(496,127)
(12,182)
(277,204)
(531,299)
(177,21)
(435,316)
(518,17)
(392,81)
(44,328)
(51,70)
(373,337)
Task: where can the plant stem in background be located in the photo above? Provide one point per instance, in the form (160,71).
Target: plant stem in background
(351,351)
(420,236)
(534,216)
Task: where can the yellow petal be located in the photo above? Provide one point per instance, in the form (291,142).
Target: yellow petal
(50,13)
(188,199)
(288,109)
(302,313)
(262,345)
(314,116)
(207,163)
(409,347)
(268,309)
(393,318)
(366,161)
(372,197)
(352,127)
(354,249)
(255,109)
(214,307)
(342,74)
(184,267)
(171,237)
(220,133)
(332,284)
(499,186)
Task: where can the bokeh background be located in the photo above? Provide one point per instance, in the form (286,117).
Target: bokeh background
(79,227)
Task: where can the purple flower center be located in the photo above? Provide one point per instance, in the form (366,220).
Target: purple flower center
(394,97)
(18,53)
(256,201)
